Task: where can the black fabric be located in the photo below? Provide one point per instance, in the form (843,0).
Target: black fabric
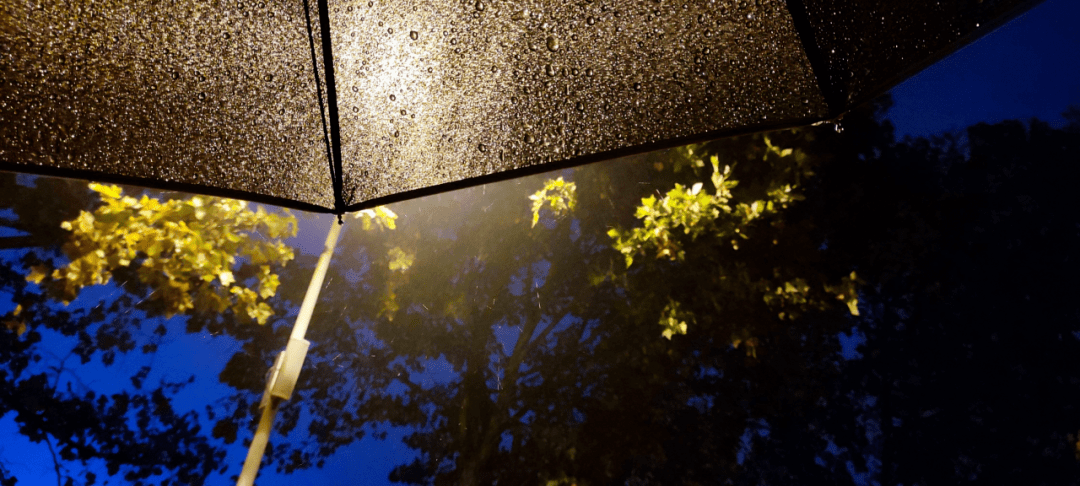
(428,96)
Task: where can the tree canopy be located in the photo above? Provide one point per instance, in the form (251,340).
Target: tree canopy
(671,318)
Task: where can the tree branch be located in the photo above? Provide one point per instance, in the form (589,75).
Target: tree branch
(56,462)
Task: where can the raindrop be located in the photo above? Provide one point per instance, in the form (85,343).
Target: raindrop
(355,109)
(637,86)
(591,20)
(404,112)
(268,78)
(589,72)
(482,148)
(390,30)
(453,41)
(393,98)
(226,35)
(414,35)
(579,107)
(552,44)
(371,4)
(349,9)
(355,89)
(479,6)
(202,96)
(396,133)
(549,70)
(574,71)
(529,138)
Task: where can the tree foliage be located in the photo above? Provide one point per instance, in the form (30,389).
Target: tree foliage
(185,250)
(515,342)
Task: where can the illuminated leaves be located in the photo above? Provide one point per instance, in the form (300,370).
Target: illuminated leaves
(380,217)
(400,260)
(675,320)
(185,250)
(14,323)
(694,218)
(559,196)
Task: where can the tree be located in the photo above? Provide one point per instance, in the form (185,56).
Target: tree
(515,342)
(169,257)
(554,365)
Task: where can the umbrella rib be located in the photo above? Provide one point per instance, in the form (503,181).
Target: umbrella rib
(833,94)
(331,102)
(318,92)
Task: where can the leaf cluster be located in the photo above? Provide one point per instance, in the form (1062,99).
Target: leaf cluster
(186,251)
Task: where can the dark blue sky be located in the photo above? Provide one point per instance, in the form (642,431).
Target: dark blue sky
(1027,68)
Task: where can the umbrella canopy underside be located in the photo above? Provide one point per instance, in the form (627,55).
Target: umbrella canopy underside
(224,97)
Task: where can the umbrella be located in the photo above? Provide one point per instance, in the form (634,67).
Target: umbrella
(240,99)
(336,108)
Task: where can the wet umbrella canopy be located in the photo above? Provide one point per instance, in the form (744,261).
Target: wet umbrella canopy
(236,99)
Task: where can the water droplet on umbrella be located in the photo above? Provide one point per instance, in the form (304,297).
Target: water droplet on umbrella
(393,98)
(482,148)
(589,72)
(529,138)
(414,35)
(202,96)
(549,70)
(479,6)
(552,44)
(390,30)
(591,20)
(226,35)
(579,107)
(396,133)
(637,86)
(355,109)
(355,89)
(268,77)
(404,112)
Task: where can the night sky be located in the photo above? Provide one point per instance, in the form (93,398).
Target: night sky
(1027,68)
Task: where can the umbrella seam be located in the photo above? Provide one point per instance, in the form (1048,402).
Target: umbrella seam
(834,98)
(331,102)
(318,92)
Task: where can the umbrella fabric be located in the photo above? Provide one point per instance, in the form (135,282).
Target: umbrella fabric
(234,98)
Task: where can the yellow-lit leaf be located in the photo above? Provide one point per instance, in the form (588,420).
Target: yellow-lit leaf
(37,273)
(226,278)
(16,326)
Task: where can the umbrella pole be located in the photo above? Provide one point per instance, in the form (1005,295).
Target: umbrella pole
(283,375)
